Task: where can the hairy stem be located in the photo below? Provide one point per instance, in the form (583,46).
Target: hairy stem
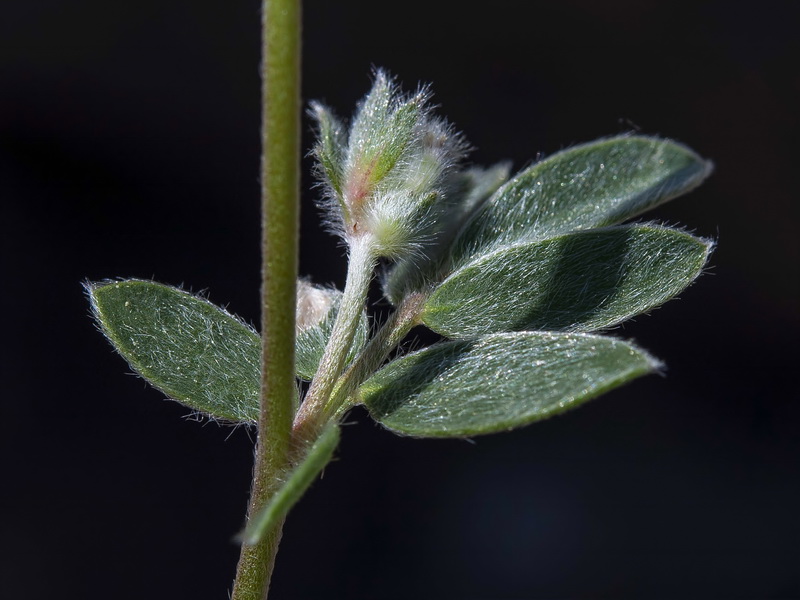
(369,360)
(314,412)
(280,181)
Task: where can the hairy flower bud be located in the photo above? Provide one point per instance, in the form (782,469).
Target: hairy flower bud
(313,304)
(385,175)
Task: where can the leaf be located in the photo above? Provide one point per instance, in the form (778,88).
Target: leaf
(185,346)
(477,185)
(330,147)
(293,488)
(314,332)
(593,185)
(381,131)
(200,355)
(470,189)
(498,382)
(576,282)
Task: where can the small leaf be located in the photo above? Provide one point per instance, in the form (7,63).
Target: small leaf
(372,113)
(477,185)
(185,346)
(330,147)
(380,134)
(576,282)
(593,185)
(498,382)
(468,190)
(295,485)
(317,308)
(200,355)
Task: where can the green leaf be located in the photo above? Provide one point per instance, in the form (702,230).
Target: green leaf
(295,485)
(185,346)
(592,185)
(498,382)
(576,282)
(313,334)
(475,186)
(200,355)
(330,147)
(468,190)
(381,131)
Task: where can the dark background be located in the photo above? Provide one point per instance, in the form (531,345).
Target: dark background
(129,146)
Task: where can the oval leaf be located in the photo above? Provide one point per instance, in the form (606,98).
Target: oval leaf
(498,382)
(576,282)
(592,185)
(193,351)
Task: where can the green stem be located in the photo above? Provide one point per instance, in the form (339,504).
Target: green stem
(369,360)
(314,412)
(280,181)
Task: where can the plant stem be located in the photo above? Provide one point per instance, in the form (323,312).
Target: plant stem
(280,189)
(313,413)
(369,360)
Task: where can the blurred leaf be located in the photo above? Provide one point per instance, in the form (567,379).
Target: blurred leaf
(476,185)
(593,185)
(467,191)
(312,337)
(576,282)
(294,486)
(498,382)
(185,346)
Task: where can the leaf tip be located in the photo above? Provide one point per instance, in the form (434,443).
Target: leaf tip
(653,365)
(94,291)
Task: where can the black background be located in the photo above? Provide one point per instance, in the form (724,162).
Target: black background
(129,146)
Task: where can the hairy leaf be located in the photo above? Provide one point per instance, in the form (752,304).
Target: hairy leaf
(575,282)
(330,147)
(185,346)
(295,485)
(473,187)
(593,185)
(380,133)
(467,191)
(498,382)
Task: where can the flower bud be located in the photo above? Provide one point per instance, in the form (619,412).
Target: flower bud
(384,179)
(313,304)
